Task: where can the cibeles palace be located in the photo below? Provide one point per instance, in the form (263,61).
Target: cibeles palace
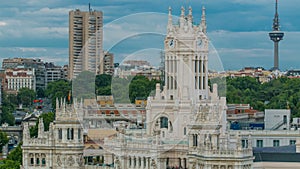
(185,122)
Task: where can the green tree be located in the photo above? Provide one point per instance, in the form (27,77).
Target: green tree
(280,93)
(26,96)
(141,86)
(58,89)
(9,103)
(103,80)
(16,154)
(40,92)
(103,84)
(9,164)
(3,139)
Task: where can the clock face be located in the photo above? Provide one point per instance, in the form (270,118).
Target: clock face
(199,43)
(172,43)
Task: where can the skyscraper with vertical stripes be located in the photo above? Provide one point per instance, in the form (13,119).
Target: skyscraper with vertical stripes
(85,42)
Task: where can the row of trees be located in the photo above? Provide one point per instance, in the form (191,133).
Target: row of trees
(87,85)
(281,93)
(25,97)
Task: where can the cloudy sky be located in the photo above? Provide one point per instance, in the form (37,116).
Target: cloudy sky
(238,29)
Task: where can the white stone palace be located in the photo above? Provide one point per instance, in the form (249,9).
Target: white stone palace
(185,122)
(60,147)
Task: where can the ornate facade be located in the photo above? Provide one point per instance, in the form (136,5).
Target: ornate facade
(186,122)
(61,146)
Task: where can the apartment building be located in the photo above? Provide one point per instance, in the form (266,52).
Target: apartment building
(17,78)
(85,42)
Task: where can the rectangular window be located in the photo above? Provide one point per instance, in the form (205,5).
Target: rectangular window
(292,142)
(79,134)
(43,161)
(60,134)
(31,161)
(37,161)
(244,143)
(72,134)
(276,143)
(68,134)
(195,140)
(259,143)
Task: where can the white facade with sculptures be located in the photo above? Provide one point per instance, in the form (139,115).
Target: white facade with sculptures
(185,122)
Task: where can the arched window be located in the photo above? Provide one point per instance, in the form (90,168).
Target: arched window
(31,156)
(43,160)
(37,159)
(163,122)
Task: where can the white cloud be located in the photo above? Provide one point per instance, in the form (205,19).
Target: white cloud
(23,49)
(47,12)
(3,23)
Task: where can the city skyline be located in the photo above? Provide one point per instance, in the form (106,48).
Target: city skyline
(39,29)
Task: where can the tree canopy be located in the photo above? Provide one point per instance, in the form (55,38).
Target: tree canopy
(9,103)
(14,159)
(26,96)
(58,89)
(3,139)
(281,93)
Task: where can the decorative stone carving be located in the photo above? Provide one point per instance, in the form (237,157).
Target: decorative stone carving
(70,161)
(153,164)
(58,161)
(79,160)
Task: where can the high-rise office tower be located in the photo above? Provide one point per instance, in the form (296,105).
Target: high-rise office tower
(85,41)
(276,35)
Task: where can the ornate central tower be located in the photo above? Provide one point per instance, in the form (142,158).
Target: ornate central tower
(276,35)
(186,58)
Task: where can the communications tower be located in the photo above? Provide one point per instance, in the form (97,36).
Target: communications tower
(276,35)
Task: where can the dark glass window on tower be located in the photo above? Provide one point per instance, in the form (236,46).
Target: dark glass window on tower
(163,122)
(70,134)
(79,134)
(195,140)
(60,134)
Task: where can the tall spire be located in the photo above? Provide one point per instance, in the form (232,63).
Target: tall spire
(190,16)
(182,17)
(276,18)
(40,128)
(203,20)
(170,17)
(182,11)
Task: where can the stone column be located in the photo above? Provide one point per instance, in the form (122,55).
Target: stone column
(206,74)
(167,73)
(201,72)
(183,163)
(147,163)
(161,163)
